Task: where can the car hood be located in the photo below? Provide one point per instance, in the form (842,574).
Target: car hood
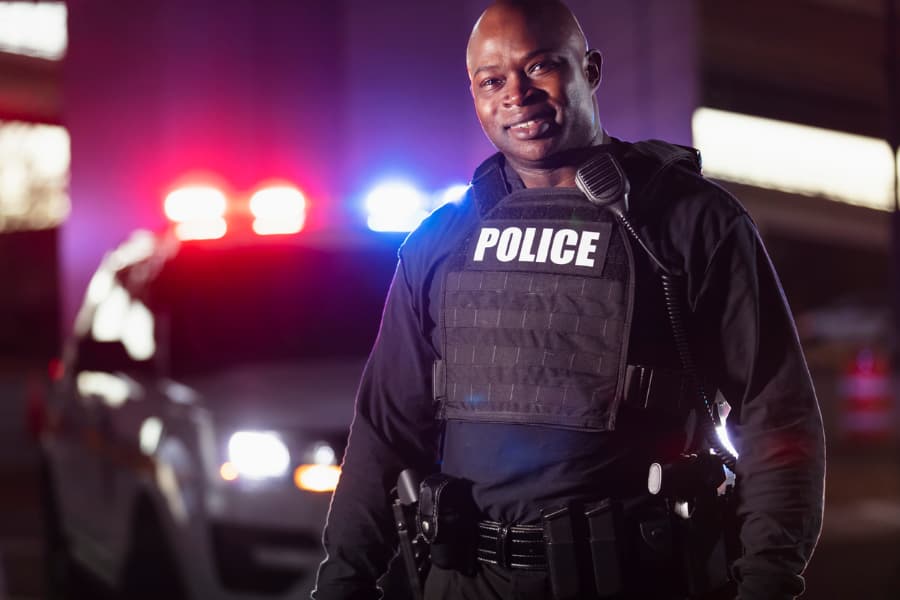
(313,395)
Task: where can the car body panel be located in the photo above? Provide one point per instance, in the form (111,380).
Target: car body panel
(129,428)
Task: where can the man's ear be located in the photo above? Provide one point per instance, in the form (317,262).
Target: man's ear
(593,63)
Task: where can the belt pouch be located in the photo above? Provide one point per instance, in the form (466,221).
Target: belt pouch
(604,524)
(447,519)
(562,553)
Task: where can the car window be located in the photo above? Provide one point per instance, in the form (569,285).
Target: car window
(223,307)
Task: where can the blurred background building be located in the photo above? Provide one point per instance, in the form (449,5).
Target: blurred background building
(106,106)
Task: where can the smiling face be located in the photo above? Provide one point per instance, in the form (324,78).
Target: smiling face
(533,82)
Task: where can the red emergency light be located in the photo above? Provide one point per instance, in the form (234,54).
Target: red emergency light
(278,209)
(198,212)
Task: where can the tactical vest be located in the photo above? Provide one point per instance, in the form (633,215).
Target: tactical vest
(536,314)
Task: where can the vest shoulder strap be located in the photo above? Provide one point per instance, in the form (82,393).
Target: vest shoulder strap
(667,154)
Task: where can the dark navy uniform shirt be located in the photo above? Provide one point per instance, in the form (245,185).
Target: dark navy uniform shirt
(746,343)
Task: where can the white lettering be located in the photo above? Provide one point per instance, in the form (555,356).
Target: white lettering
(486,239)
(544,245)
(563,238)
(522,244)
(525,255)
(508,246)
(587,246)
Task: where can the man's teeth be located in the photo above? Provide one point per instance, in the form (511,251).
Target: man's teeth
(525,125)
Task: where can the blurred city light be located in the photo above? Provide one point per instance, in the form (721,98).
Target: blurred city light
(324,454)
(278,210)
(110,315)
(258,454)
(112,390)
(150,434)
(795,158)
(34,29)
(120,318)
(103,284)
(228,472)
(137,332)
(34,175)
(317,478)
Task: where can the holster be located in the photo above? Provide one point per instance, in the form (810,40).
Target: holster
(701,521)
(447,519)
(706,543)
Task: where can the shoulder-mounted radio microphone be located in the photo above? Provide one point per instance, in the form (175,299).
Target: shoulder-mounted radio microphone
(604,183)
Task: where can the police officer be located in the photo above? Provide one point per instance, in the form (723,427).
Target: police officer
(526,348)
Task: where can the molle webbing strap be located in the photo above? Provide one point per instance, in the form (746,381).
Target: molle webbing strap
(666,391)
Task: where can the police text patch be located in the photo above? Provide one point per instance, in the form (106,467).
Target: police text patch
(545,246)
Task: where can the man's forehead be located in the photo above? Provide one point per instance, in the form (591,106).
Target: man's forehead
(506,32)
(492,48)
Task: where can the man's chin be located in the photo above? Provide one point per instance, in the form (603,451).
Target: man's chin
(532,153)
(545,156)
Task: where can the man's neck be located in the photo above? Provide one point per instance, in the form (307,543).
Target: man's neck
(560,173)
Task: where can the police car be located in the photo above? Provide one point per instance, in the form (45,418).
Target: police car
(199,421)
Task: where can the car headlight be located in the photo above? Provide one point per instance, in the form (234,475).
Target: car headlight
(256,455)
(323,474)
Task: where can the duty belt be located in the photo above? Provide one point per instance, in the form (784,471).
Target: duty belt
(512,546)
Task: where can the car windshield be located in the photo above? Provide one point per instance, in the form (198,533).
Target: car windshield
(226,306)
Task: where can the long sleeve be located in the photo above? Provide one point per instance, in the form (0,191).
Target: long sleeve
(749,344)
(393,429)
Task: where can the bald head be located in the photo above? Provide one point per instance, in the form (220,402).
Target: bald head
(553,18)
(533,80)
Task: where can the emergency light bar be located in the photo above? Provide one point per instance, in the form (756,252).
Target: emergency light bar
(198,211)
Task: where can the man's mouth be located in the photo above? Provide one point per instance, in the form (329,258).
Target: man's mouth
(532,128)
(526,124)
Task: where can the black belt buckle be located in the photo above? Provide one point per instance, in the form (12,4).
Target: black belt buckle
(504,547)
(498,539)
(511,546)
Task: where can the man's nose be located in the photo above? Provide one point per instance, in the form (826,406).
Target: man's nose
(518,88)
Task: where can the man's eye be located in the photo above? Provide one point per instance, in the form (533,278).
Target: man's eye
(544,65)
(490,82)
